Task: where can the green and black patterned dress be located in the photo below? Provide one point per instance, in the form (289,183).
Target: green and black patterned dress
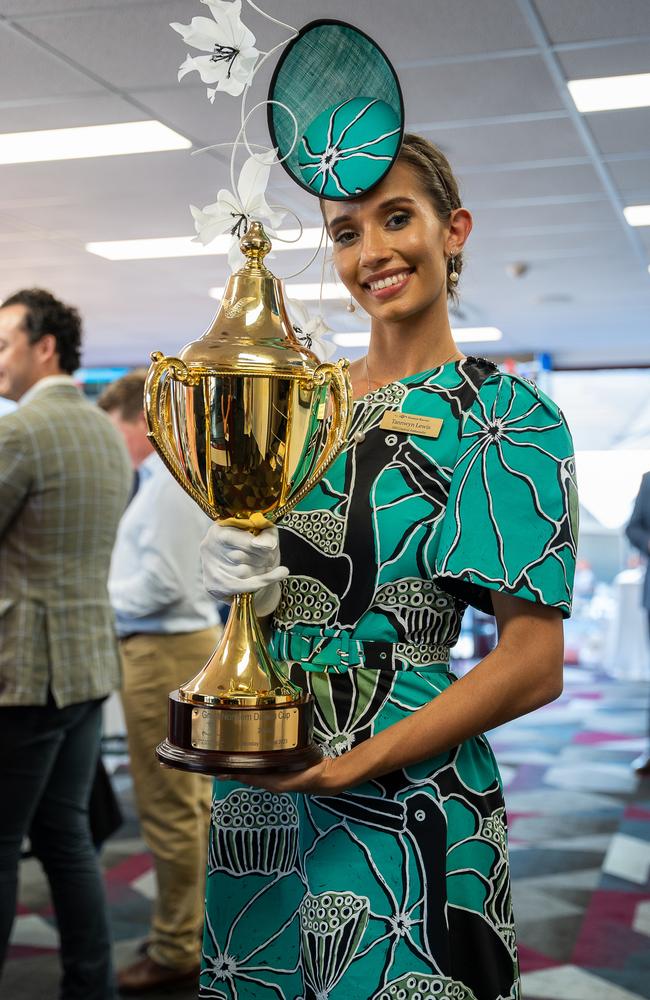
(398,889)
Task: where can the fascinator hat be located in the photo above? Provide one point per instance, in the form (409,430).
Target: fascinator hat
(347,111)
(335,114)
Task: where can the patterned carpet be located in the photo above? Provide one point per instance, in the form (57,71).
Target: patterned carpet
(580,851)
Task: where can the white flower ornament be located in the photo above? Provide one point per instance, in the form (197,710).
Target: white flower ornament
(232,212)
(312,331)
(231,45)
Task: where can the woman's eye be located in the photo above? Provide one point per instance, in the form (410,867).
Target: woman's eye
(344,237)
(398,219)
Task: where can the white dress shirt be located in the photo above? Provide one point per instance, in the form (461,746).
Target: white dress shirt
(155,582)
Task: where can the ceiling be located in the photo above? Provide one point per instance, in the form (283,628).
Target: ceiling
(485,79)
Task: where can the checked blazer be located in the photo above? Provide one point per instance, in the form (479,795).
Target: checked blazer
(65,479)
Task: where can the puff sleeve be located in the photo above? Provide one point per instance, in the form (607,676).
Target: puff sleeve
(512,516)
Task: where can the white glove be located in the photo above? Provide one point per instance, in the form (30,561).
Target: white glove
(235,561)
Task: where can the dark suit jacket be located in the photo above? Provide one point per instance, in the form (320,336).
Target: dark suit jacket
(64,482)
(638,530)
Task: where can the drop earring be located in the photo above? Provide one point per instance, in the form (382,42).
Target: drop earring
(351,306)
(453,274)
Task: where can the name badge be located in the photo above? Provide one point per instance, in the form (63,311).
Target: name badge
(411,423)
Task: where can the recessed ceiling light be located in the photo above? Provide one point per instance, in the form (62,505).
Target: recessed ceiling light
(119,139)
(610,93)
(461,335)
(184,246)
(306,293)
(637,215)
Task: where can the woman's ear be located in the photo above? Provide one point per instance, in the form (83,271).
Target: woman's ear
(460,226)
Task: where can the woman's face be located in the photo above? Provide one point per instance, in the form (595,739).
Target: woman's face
(390,248)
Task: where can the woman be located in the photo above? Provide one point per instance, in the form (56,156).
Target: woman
(382,871)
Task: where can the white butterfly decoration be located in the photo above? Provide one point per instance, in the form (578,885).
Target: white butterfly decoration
(312,331)
(231,45)
(232,212)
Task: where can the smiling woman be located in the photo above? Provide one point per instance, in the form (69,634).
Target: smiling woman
(387,873)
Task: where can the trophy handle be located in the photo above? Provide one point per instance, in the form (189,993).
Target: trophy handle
(341,390)
(160,371)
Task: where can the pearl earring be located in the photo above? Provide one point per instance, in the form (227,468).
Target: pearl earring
(453,274)
(351,306)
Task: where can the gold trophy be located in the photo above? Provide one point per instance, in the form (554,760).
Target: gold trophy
(241,420)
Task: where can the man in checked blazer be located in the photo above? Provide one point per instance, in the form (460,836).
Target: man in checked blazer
(64,482)
(638,533)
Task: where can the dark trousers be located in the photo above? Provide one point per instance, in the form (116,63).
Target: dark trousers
(48,757)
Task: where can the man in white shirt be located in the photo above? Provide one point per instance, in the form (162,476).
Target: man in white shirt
(168,627)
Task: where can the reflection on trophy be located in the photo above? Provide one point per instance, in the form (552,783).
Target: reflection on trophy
(247,421)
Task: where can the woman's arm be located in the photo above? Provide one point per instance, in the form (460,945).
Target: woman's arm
(522,673)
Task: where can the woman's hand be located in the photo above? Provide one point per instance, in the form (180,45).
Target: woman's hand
(325,778)
(235,561)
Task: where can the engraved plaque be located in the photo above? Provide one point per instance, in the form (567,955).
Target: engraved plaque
(245,729)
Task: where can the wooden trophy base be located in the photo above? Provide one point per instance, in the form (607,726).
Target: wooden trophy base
(218,739)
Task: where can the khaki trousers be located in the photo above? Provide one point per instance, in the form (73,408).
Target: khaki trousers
(174,806)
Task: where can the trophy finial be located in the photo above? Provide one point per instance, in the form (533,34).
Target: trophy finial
(255,245)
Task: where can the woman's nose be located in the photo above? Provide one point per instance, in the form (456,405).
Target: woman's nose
(374,248)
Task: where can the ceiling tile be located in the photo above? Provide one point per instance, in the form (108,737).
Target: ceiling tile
(632,177)
(187,109)
(591,19)
(621,131)
(508,143)
(428,31)
(25,9)
(607,60)
(481,89)
(96,109)
(26,71)
(540,182)
(128,46)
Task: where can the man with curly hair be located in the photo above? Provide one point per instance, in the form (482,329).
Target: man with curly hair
(65,479)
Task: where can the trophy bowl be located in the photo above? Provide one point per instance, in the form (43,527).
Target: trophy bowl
(247,420)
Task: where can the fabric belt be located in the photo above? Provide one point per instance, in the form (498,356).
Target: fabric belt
(341,652)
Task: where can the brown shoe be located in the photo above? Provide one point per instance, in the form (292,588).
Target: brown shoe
(145,976)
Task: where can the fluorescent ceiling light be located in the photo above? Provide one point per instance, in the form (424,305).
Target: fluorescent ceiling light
(303,293)
(637,215)
(609,93)
(184,246)
(120,139)
(462,335)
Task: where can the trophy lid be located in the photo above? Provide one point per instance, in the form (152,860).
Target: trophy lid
(252,331)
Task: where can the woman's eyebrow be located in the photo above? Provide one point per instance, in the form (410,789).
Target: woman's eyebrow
(389,203)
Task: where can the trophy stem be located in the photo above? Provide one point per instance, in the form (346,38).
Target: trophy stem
(241,671)
(241,712)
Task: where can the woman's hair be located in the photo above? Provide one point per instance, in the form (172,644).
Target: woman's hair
(438,181)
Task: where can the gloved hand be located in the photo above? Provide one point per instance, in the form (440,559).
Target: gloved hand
(235,561)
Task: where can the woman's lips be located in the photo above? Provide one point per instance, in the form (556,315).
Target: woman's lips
(389,291)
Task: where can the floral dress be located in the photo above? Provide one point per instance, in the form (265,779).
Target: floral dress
(397,889)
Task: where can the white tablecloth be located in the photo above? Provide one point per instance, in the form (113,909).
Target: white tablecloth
(627,649)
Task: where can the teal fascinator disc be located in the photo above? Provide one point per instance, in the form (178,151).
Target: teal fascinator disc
(348,106)
(347,149)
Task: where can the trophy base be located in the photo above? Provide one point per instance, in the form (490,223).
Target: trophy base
(219,739)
